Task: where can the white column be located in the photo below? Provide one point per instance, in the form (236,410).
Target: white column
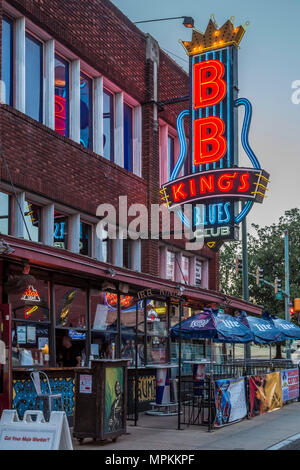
(19,226)
(118,248)
(48,224)
(20,64)
(75,101)
(163,154)
(192,273)
(204,282)
(98,254)
(74,233)
(98,115)
(137,165)
(137,255)
(119,129)
(49,116)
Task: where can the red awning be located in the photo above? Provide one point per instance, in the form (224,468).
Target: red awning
(65,261)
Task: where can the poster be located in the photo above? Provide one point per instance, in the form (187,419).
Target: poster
(31,334)
(100,321)
(85,384)
(265,393)
(21,334)
(114,399)
(230,400)
(290,384)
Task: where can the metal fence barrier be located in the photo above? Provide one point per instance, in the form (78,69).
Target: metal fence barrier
(201,410)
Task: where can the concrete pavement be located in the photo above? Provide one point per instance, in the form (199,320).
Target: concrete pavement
(153,433)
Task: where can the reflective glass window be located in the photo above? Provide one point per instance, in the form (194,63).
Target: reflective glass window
(86,111)
(7,61)
(70,307)
(171,156)
(33,218)
(108,125)
(33,78)
(85,242)
(4,213)
(128,137)
(61,96)
(60,230)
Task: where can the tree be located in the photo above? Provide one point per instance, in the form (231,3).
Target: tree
(266,251)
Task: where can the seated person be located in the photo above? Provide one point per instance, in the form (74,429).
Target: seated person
(69,354)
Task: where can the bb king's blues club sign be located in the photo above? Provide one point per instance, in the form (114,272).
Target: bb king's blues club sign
(215,185)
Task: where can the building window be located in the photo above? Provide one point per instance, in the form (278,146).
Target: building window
(127,254)
(108,125)
(61,96)
(170,271)
(33,218)
(128,137)
(71,321)
(86,111)
(171,156)
(186,165)
(33,78)
(185,269)
(198,273)
(4,213)
(7,61)
(85,242)
(30,324)
(60,230)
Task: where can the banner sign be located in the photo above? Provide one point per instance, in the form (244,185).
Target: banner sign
(290,384)
(265,393)
(212,181)
(230,401)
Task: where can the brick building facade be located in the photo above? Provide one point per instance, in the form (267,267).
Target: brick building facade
(81,126)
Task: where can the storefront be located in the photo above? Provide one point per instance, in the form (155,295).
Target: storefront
(54,307)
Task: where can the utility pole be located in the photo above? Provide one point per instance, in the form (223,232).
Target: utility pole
(287,286)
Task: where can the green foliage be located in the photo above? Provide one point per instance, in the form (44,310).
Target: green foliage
(265,250)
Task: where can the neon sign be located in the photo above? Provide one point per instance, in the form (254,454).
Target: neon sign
(126,301)
(29,311)
(31,294)
(215,181)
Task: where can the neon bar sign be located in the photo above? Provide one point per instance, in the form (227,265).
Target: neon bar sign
(215,180)
(238,183)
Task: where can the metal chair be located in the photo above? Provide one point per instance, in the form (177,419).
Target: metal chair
(46,398)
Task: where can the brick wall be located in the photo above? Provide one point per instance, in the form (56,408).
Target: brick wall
(48,164)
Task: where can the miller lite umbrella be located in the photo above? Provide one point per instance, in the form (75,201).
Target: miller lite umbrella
(263,329)
(215,325)
(288,329)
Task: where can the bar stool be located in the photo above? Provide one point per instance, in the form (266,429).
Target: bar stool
(47,398)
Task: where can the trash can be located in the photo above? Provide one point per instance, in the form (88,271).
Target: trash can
(101,400)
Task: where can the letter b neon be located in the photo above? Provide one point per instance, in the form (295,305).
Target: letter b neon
(209,144)
(209,86)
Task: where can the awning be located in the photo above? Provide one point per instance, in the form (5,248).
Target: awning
(65,261)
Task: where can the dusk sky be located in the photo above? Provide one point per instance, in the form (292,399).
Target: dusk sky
(269,62)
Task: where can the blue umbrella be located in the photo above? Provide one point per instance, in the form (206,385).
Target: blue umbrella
(216,325)
(288,329)
(264,330)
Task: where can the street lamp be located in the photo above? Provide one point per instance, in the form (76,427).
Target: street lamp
(188,21)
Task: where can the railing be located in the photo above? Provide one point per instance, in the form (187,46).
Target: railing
(200,410)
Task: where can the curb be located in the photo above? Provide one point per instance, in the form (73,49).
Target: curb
(292,443)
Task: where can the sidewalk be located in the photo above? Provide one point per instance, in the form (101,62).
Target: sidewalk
(157,433)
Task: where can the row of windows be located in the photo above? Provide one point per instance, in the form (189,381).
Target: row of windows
(34,95)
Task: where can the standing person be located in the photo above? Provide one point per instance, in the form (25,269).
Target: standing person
(69,354)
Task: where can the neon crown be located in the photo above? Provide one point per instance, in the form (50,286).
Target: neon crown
(214,37)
